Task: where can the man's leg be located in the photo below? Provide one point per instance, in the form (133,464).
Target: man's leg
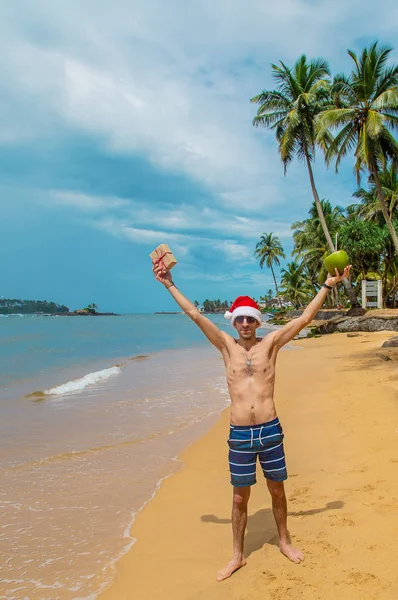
(279,507)
(239,521)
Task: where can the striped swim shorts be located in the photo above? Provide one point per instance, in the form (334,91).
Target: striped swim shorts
(246,443)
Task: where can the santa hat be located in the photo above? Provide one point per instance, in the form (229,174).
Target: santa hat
(243,306)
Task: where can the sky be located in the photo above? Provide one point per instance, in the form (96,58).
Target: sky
(128,123)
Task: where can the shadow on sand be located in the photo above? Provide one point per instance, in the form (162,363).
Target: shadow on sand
(261,528)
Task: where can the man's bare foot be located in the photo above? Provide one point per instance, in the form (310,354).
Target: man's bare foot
(292,554)
(231,567)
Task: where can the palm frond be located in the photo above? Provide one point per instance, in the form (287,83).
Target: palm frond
(388,146)
(374,123)
(386,90)
(272,99)
(269,120)
(343,143)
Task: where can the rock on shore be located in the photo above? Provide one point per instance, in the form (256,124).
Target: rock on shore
(375,320)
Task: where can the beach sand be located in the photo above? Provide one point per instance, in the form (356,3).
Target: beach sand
(338,403)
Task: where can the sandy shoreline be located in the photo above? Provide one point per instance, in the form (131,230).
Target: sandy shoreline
(338,404)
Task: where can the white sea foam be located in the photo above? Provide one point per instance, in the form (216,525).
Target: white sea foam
(77,385)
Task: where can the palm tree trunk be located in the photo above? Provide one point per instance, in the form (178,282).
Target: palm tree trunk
(276,287)
(383,204)
(347,285)
(318,204)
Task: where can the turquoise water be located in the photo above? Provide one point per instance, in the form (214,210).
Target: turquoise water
(32,345)
(117,400)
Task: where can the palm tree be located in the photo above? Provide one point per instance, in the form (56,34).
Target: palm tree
(365,113)
(308,234)
(309,242)
(269,250)
(290,110)
(296,285)
(370,208)
(91,307)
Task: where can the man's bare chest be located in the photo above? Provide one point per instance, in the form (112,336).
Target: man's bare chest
(249,365)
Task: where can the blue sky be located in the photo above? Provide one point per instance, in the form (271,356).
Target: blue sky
(128,123)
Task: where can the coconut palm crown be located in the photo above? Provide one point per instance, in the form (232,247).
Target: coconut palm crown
(370,209)
(295,284)
(365,114)
(302,93)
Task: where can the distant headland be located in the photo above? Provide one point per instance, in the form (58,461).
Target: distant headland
(15,306)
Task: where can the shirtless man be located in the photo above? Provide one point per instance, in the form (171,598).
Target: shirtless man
(255,429)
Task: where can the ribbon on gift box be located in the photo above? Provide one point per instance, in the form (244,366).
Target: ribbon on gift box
(159,260)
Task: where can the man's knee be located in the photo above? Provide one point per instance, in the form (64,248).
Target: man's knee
(276,489)
(241,497)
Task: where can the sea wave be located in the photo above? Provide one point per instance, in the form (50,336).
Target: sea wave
(77,385)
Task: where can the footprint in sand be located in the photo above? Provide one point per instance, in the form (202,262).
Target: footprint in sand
(299,581)
(369,487)
(361,578)
(362,470)
(298,493)
(366,488)
(290,593)
(341,521)
(326,547)
(281,592)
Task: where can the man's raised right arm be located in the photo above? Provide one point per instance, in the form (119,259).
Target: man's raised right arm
(217,337)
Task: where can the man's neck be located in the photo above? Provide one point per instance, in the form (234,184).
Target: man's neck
(247,344)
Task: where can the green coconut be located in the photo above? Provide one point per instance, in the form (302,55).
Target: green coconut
(338,260)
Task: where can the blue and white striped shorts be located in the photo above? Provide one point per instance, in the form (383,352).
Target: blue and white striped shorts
(246,443)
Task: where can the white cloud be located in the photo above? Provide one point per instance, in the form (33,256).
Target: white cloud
(85,202)
(139,221)
(180,125)
(170,81)
(181,244)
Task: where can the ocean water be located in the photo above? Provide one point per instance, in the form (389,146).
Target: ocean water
(93,414)
(32,346)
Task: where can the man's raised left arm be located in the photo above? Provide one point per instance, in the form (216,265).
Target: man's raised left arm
(289,331)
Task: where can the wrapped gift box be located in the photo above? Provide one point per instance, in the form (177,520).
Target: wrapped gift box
(163,255)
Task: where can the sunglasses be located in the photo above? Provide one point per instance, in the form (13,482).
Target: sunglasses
(249,320)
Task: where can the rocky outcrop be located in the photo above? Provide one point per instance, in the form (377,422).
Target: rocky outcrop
(322,315)
(371,321)
(391,343)
(86,313)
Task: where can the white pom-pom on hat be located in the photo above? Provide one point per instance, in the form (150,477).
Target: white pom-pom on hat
(228,315)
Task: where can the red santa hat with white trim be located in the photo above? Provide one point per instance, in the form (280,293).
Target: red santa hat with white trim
(243,306)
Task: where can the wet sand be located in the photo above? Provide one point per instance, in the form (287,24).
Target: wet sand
(338,403)
(77,466)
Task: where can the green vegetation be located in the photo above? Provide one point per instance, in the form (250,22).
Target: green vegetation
(354,115)
(302,95)
(269,250)
(213,306)
(91,308)
(296,286)
(365,113)
(12,306)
